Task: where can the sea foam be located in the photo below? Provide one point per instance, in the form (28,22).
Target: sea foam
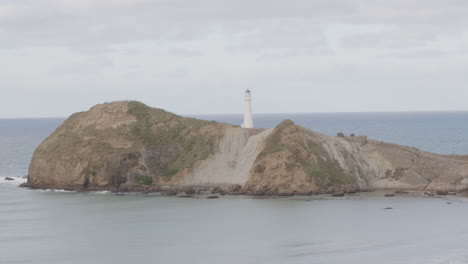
(16,180)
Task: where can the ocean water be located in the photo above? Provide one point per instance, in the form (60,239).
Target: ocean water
(39,226)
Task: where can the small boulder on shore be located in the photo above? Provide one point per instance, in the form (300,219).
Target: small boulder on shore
(389,194)
(401,192)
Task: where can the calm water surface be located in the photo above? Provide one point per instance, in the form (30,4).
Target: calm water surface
(67,227)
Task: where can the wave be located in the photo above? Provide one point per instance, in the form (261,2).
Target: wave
(101,192)
(67,191)
(57,190)
(15,180)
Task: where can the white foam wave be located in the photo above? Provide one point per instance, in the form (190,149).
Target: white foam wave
(68,191)
(101,192)
(57,190)
(16,180)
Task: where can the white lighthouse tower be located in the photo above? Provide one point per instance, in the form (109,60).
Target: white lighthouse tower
(248,120)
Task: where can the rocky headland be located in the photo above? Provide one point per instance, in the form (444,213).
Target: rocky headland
(128,146)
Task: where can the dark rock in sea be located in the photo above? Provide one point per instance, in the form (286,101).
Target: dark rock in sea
(212,197)
(305,193)
(185,196)
(338,194)
(26,185)
(9,179)
(388,208)
(442,193)
(449,202)
(389,194)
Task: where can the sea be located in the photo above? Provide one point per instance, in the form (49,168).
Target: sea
(56,226)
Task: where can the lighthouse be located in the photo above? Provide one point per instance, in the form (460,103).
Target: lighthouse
(248,120)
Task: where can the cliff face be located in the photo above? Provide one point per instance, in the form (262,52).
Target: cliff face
(296,160)
(397,167)
(129,146)
(121,145)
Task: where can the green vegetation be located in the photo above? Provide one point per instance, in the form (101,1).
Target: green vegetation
(273,141)
(144,113)
(177,139)
(327,174)
(318,165)
(325,171)
(155,137)
(144,180)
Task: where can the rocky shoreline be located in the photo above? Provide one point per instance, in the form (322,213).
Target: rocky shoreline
(237,190)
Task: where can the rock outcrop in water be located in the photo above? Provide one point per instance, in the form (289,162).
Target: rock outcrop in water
(128,146)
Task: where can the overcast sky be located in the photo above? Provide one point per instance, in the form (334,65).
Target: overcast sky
(197,57)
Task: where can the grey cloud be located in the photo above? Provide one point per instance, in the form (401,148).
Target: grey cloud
(426,54)
(81,25)
(171,51)
(184,52)
(72,23)
(398,37)
(411,12)
(282,38)
(89,65)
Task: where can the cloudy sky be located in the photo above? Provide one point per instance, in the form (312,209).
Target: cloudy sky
(198,56)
